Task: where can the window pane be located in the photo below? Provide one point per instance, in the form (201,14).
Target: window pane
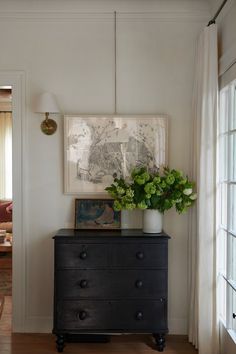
(223,124)
(222,251)
(223,205)
(222,298)
(234,310)
(232,165)
(233,107)
(232,263)
(223,158)
(232,209)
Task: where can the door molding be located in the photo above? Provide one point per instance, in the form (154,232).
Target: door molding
(16,79)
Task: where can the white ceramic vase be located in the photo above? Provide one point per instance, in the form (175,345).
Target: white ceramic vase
(131,219)
(152,221)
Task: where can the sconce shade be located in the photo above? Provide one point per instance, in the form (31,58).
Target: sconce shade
(46,102)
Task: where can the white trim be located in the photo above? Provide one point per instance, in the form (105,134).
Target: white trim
(16,79)
(38,324)
(227,60)
(228,341)
(167,16)
(229,57)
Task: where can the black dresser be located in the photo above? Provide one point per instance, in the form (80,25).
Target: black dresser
(110,282)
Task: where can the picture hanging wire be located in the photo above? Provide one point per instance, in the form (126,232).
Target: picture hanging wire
(115,89)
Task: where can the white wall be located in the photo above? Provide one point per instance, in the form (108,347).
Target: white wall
(66,47)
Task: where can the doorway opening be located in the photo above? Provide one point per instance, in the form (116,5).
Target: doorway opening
(6,208)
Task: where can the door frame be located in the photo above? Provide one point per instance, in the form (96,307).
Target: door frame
(16,79)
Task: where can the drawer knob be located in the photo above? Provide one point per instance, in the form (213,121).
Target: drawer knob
(139,316)
(83,255)
(83,283)
(139,283)
(83,315)
(139,255)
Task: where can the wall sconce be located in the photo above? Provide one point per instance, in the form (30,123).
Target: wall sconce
(46,103)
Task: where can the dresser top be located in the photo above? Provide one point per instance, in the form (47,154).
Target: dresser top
(73,233)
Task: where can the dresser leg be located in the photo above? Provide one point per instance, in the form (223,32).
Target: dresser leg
(60,342)
(160,341)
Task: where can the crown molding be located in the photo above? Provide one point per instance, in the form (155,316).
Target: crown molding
(166,16)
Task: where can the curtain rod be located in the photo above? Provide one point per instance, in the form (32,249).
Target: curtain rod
(213,20)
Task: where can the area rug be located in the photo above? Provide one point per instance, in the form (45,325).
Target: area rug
(1,304)
(6,318)
(5,281)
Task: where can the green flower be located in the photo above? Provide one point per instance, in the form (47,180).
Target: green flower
(187,191)
(157,180)
(153,190)
(146,176)
(163,184)
(117,205)
(120,190)
(150,188)
(170,179)
(129,193)
(130,206)
(142,205)
(177,174)
(193,196)
(183,181)
(139,180)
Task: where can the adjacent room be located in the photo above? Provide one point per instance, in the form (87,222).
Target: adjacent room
(6,205)
(117,176)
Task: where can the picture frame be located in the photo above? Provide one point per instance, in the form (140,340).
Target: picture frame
(98,148)
(96,214)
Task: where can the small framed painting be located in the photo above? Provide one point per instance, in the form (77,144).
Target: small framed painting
(98,214)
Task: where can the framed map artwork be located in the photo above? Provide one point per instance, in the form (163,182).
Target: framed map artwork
(98,148)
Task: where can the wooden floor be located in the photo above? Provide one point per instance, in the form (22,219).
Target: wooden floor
(45,343)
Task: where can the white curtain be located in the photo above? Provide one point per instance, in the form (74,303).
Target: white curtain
(5,155)
(203,331)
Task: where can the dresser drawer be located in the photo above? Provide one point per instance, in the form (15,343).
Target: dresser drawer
(74,315)
(139,255)
(140,315)
(76,255)
(111,284)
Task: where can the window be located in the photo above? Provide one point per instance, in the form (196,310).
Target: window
(226,206)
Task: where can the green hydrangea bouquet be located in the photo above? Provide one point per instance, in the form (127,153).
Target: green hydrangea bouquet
(153,190)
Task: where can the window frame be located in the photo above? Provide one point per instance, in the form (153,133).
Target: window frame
(226,138)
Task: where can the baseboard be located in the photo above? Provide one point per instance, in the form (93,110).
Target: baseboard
(36,325)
